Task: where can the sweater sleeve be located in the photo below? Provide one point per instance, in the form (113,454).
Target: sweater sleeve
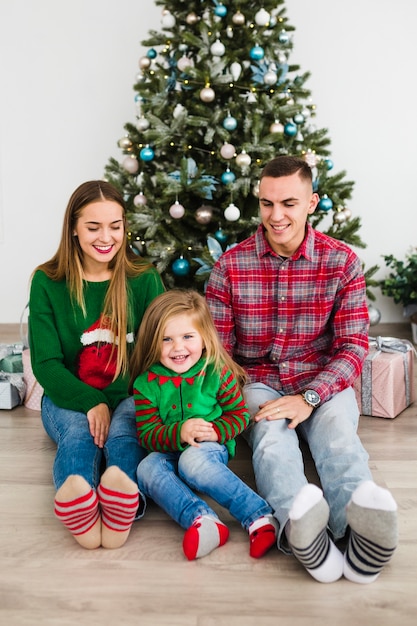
(235,414)
(153,434)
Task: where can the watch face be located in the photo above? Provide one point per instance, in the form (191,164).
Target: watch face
(312,397)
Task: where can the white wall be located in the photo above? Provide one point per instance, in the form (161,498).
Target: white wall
(67,74)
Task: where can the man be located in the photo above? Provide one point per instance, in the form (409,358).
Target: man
(289,304)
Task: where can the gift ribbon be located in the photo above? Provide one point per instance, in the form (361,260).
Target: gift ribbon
(16,380)
(384,344)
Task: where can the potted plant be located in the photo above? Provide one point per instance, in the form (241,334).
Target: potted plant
(401,285)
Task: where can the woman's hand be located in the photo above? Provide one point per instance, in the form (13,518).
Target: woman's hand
(292,408)
(99,422)
(197,429)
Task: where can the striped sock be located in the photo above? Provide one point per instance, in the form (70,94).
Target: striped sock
(79,513)
(262,535)
(119,500)
(205,534)
(307,535)
(372,517)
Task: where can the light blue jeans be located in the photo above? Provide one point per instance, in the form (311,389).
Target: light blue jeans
(331,434)
(76,451)
(169,478)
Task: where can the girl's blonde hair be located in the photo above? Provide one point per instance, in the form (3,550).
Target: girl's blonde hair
(67,264)
(161,310)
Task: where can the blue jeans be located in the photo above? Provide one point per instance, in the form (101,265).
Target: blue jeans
(331,434)
(169,478)
(76,451)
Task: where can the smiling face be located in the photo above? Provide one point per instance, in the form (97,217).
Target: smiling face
(182,344)
(285,203)
(100,231)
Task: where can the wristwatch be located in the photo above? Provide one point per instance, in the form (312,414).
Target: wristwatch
(311,397)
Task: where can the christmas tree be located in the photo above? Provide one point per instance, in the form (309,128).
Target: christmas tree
(216,98)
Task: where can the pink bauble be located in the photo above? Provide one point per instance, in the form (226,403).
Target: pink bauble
(207,94)
(130,164)
(227,151)
(204,214)
(176,210)
(140,199)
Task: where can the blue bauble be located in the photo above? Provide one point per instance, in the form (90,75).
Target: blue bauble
(220,10)
(151,54)
(228,177)
(181,267)
(299,118)
(329,164)
(290,129)
(230,123)
(325,204)
(147,154)
(221,236)
(257,53)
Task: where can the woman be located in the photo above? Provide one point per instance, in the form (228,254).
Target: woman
(86,304)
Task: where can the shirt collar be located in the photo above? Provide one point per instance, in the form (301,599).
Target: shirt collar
(306,248)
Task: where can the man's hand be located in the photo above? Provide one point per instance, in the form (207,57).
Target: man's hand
(197,429)
(292,408)
(99,422)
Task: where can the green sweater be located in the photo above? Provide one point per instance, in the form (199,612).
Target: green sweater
(68,352)
(164,400)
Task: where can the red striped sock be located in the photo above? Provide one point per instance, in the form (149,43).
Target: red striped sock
(78,515)
(118,510)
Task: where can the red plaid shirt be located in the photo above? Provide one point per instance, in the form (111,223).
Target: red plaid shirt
(293,323)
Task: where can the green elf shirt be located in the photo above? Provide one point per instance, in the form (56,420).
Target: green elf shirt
(70,352)
(164,400)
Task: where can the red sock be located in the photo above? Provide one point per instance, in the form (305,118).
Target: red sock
(80,514)
(118,510)
(204,535)
(262,536)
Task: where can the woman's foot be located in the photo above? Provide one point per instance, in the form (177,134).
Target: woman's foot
(76,506)
(119,500)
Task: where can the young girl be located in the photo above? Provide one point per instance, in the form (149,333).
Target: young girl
(86,304)
(189,410)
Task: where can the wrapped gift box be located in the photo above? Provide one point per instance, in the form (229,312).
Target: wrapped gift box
(386,385)
(12,364)
(12,390)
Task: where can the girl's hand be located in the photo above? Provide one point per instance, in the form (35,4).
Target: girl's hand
(197,429)
(99,422)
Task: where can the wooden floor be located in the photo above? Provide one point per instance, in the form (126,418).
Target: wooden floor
(47,578)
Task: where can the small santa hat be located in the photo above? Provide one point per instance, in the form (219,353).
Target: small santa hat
(97,333)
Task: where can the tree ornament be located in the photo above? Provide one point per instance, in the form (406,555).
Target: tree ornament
(374,315)
(270,77)
(184,63)
(329,163)
(152,54)
(140,199)
(228,177)
(325,203)
(339,217)
(238,19)
(220,10)
(243,159)
(147,154)
(276,127)
(144,63)
(348,213)
(204,214)
(290,129)
(176,210)
(167,20)
(181,267)
(283,37)
(207,94)
(299,119)
(230,123)
(232,213)
(125,143)
(192,19)
(130,164)
(310,158)
(236,70)
(255,189)
(221,236)
(262,17)
(227,151)
(257,53)
(217,49)
(142,124)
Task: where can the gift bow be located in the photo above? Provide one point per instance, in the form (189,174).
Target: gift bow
(384,344)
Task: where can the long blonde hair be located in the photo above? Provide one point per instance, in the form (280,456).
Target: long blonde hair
(161,310)
(67,264)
